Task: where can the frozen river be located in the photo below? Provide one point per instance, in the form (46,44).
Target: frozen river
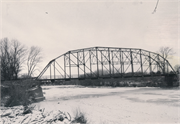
(106,105)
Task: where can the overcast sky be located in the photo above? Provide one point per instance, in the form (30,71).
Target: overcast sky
(59,26)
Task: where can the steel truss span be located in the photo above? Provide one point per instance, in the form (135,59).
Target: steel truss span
(106,62)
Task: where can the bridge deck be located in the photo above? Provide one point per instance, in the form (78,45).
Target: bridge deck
(106,77)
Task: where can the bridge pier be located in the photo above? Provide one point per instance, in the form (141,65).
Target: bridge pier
(169,79)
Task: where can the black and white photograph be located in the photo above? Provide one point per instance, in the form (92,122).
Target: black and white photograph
(90,61)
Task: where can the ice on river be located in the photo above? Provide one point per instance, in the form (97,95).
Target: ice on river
(121,105)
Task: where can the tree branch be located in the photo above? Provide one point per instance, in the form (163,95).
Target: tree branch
(155,7)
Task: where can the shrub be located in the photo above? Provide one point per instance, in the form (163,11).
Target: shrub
(158,72)
(18,92)
(4,91)
(79,117)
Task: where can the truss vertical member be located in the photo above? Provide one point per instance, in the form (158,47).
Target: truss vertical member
(150,67)
(141,63)
(65,66)
(109,60)
(54,70)
(69,64)
(101,63)
(112,62)
(131,63)
(158,63)
(50,72)
(122,63)
(120,60)
(78,63)
(97,62)
(90,62)
(84,62)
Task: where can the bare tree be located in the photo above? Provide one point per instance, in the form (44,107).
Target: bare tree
(18,54)
(166,52)
(155,7)
(34,58)
(12,55)
(5,58)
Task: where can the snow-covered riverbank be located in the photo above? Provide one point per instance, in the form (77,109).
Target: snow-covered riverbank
(116,105)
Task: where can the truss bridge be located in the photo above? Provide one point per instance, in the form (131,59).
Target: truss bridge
(106,62)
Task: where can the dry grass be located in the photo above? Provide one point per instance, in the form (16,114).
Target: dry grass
(80,117)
